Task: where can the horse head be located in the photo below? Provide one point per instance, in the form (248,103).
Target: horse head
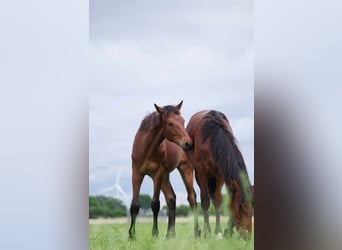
(173,125)
(242,212)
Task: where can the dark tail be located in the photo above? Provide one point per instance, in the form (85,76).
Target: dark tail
(225,152)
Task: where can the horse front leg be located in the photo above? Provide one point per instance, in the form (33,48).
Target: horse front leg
(170,198)
(229,231)
(233,212)
(155,203)
(137,179)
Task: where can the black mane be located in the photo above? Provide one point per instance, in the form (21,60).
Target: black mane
(224,151)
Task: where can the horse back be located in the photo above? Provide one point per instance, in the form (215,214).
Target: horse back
(199,154)
(201,157)
(194,125)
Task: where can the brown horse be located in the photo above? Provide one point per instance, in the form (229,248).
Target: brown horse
(157,150)
(217,160)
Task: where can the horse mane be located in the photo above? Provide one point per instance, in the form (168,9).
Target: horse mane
(225,152)
(153,119)
(150,121)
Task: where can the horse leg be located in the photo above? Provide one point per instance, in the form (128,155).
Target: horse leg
(186,172)
(205,200)
(170,198)
(233,213)
(217,199)
(137,179)
(229,231)
(155,203)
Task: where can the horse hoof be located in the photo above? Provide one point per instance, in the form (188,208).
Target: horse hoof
(206,234)
(227,233)
(198,233)
(131,237)
(155,233)
(170,235)
(219,236)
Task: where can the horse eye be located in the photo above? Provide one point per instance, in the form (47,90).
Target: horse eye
(170,124)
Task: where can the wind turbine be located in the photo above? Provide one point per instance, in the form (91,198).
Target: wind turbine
(119,191)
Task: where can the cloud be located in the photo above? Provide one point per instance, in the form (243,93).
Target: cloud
(163,53)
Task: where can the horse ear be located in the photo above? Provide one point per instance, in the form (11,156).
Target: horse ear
(159,109)
(179,105)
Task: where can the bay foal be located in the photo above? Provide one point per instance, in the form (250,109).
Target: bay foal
(158,149)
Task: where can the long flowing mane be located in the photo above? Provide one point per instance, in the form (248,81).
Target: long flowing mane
(224,151)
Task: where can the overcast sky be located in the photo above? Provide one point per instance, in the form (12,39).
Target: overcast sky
(164,52)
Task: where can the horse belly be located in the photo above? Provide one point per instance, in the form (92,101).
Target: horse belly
(173,156)
(150,168)
(202,161)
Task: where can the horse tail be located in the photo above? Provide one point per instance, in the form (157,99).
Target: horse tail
(225,152)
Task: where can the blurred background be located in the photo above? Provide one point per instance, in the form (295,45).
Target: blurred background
(162,53)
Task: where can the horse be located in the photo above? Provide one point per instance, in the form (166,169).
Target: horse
(159,147)
(217,160)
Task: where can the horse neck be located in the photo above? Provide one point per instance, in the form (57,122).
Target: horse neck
(153,139)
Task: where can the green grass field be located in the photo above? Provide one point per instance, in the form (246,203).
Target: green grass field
(111,236)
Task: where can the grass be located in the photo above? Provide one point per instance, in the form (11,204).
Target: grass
(110,235)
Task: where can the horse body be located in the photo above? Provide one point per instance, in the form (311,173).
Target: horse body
(217,161)
(165,156)
(158,149)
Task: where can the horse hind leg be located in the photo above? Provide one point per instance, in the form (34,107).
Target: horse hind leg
(205,201)
(186,172)
(217,200)
(134,209)
(155,203)
(170,198)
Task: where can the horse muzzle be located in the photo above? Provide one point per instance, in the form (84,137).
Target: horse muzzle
(187,146)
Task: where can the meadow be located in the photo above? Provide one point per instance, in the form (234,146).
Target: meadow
(113,234)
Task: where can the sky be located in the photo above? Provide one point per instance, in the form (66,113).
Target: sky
(163,52)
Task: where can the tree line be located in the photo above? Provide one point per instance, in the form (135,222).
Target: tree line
(109,207)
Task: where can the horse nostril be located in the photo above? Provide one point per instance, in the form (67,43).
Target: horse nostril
(188,146)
